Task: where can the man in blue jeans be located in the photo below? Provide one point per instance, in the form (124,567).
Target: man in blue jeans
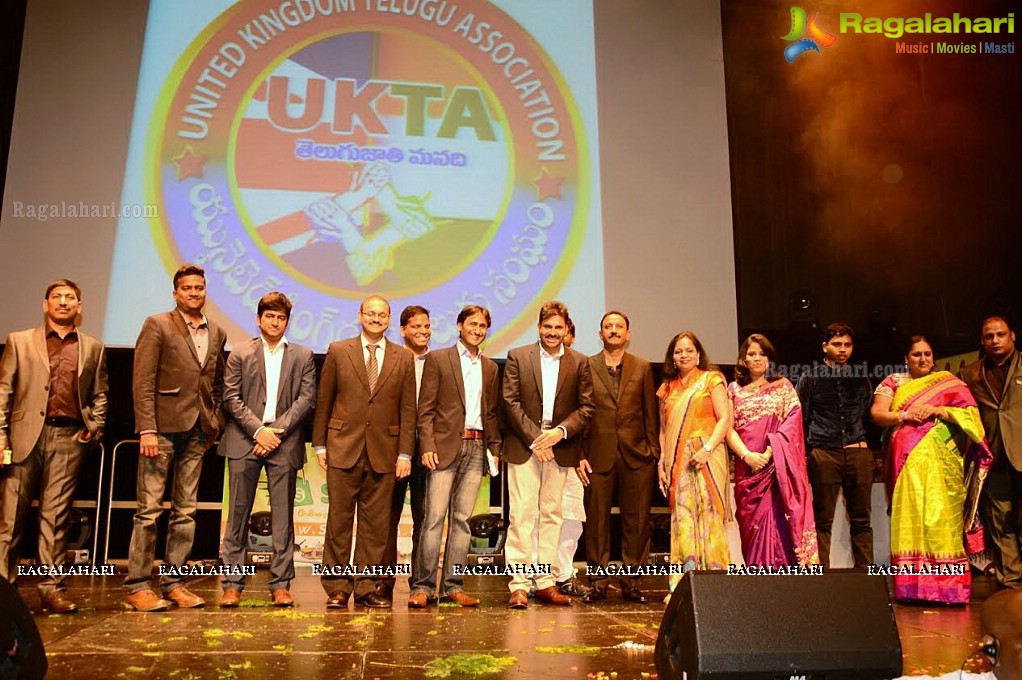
(457,423)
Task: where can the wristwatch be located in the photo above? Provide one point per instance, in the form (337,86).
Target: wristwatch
(707,448)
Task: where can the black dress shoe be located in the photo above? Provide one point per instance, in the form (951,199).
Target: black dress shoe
(573,588)
(374,600)
(595,594)
(632,594)
(337,600)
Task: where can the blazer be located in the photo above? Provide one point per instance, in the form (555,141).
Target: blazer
(1002,417)
(172,389)
(442,405)
(350,420)
(625,422)
(245,401)
(25,384)
(523,403)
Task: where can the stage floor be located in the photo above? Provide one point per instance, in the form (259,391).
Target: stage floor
(257,641)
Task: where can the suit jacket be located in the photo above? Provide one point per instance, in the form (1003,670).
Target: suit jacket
(25,384)
(1002,417)
(245,401)
(523,403)
(350,420)
(626,422)
(171,388)
(442,405)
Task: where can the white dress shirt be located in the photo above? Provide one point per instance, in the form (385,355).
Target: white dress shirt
(380,351)
(472,376)
(550,366)
(274,360)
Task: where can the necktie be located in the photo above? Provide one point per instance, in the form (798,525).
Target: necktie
(372,368)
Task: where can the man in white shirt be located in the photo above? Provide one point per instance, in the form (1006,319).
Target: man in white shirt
(548,399)
(364,434)
(269,391)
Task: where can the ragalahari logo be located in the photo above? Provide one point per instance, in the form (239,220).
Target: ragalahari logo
(805,36)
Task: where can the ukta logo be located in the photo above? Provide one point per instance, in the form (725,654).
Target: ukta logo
(429,152)
(797,36)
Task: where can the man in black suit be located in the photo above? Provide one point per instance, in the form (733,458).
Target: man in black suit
(269,391)
(620,450)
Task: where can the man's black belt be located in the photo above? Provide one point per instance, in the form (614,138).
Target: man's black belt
(61,421)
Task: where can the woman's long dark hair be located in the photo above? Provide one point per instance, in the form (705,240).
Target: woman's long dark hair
(742,376)
(670,370)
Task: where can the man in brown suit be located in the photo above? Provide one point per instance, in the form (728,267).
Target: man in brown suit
(53,399)
(996,383)
(457,423)
(548,398)
(620,449)
(364,434)
(178,382)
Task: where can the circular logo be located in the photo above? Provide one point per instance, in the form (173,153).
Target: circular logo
(423,150)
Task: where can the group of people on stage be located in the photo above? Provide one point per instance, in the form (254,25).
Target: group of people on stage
(388,418)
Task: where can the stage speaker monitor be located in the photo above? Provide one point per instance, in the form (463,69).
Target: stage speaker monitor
(22,656)
(835,626)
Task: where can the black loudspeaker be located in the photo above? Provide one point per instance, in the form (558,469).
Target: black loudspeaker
(21,649)
(835,626)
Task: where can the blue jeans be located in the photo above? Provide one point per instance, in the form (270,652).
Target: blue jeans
(184,451)
(452,490)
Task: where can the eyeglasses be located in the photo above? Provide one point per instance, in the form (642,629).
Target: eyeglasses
(376,315)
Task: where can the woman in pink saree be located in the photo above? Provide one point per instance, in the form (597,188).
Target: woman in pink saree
(774,503)
(936,462)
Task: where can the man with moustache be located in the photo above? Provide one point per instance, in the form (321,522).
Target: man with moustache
(269,391)
(996,382)
(178,382)
(621,448)
(415,333)
(835,405)
(364,434)
(548,398)
(457,424)
(53,403)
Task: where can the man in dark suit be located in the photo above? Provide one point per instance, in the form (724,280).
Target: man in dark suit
(364,434)
(53,399)
(457,423)
(178,383)
(621,448)
(416,331)
(996,383)
(269,390)
(548,398)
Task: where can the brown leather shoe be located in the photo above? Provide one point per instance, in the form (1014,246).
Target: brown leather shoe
(58,603)
(230,598)
(282,598)
(418,600)
(183,597)
(338,600)
(147,601)
(519,600)
(552,596)
(460,598)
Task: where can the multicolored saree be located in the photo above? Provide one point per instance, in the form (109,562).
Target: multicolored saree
(934,473)
(774,505)
(698,496)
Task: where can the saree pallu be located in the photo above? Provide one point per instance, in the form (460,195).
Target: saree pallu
(697,496)
(934,474)
(774,505)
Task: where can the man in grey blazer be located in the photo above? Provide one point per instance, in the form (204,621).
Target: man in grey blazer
(996,383)
(178,383)
(364,434)
(548,399)
(621,448)
(457,422)
(53,403)
(269,391)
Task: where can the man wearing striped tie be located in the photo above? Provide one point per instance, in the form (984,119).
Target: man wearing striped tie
(364,436)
